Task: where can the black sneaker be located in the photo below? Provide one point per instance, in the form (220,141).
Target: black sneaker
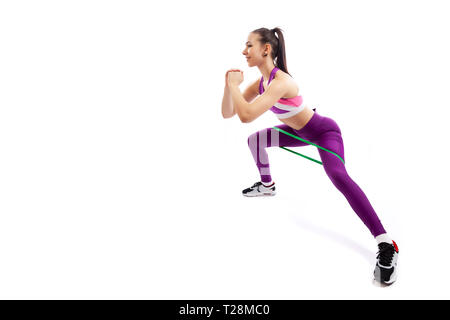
(259,190)
(386,267)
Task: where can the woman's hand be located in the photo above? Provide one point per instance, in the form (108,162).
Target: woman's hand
(235,77)
(226,76)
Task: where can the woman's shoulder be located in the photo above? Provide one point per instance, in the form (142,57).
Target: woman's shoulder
(281,75)
(286,79)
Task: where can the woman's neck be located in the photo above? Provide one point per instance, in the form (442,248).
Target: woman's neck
(266,70)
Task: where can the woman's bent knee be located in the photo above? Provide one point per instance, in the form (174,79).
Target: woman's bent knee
(252,138)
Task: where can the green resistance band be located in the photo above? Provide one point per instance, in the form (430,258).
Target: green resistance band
(308,142)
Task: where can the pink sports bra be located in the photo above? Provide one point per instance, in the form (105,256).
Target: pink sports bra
(283,108)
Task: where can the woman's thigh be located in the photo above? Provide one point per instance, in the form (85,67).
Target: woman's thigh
(281,139)
(331,140)
(270,137)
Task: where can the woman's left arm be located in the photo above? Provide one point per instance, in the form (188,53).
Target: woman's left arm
(248,112)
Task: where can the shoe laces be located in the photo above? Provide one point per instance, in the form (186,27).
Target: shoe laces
(385,253)
(256,184)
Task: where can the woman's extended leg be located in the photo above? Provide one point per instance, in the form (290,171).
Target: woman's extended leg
(325,134)
(336,171)
(269,137)
(386,265)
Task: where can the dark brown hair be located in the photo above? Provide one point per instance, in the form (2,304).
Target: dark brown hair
(277,43)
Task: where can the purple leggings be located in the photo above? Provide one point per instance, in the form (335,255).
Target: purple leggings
(324,132)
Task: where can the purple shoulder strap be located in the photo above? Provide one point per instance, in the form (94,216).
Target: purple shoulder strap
(272,75)
(261,89)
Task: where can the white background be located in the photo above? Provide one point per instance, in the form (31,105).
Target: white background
(120,179)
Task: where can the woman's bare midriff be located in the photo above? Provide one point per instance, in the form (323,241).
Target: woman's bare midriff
(300,119)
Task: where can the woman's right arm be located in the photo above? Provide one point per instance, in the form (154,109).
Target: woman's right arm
(227,104)
(250,93)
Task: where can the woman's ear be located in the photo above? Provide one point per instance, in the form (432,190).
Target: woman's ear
(266,49)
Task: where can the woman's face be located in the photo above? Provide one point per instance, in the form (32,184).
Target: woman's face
(253,51)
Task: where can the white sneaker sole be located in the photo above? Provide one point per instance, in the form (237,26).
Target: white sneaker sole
(260,194)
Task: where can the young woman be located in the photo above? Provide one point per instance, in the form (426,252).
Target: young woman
(277,91)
